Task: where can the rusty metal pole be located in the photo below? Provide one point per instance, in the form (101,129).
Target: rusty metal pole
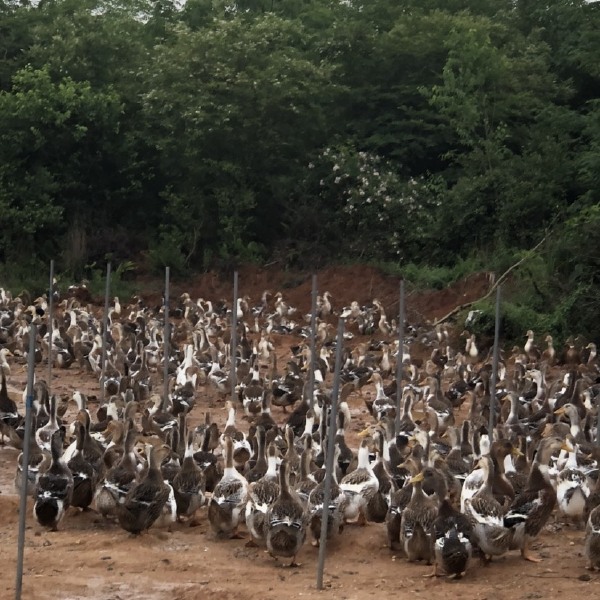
(330,452)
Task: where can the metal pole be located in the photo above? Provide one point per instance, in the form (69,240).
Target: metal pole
(25,458)
(494,366)
(313,342)
(233,351)
(597,424)
(330,452)
(400,356)
(50,324)
(166,339)
(104,332)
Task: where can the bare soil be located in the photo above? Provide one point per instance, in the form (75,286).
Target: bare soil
(87,558)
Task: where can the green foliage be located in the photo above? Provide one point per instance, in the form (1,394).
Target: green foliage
(120,279)
(167,252)
(431,137)
(432,277)
(28,274)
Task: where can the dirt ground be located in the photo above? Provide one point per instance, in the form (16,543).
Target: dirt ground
(87,558)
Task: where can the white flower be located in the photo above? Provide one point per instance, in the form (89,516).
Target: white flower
(311,165)
(337,179)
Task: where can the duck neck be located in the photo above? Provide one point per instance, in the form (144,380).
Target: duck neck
(230,418)
(363,457)
(229,468)
(284,481)
(272,467)
(572,459)
(508,464)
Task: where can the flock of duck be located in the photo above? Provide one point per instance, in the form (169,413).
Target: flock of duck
(446,487)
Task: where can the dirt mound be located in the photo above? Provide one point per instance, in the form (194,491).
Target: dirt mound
(346,283)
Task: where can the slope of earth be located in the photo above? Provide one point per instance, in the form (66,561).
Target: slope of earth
(90,558)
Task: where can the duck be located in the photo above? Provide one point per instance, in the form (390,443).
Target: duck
(453,545)
(549,354)
(10,418)
(4,366)
(530,511)
(43,435)
(37,462)
(458,466)
(220,380)
(435,402)
(306,481)
(377,507)
(261,495)
(531,350)
(572,489)
(346,456)
(292,455)
(359,486)
(486,515)
(285,522)
(253,393)
(572,413)
(416,529)
(119,479)
(54,487)
(242,450)
(189,484)
(260,466)
(591,544)
(84,475)
(286,391)
(146,500)
(229,497)
(382,405)
(501,486)
(204,456)
(336,508)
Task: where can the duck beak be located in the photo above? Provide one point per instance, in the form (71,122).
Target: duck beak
(516,452)
(566,447)
(365,432)
(560,411)
(417,478)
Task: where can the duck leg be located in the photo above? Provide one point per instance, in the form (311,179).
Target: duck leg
(236,535)
(526,552)
(434,573)
(362,518)
(294,563)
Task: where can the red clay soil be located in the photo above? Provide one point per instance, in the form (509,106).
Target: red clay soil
(90,559)
(345,283)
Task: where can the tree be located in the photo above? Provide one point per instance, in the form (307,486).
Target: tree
(235,109)
(55,150)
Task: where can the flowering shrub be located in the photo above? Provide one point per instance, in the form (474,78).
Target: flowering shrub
(383,213)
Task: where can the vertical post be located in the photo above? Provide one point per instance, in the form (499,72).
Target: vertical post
(50,324)
(25,459)
(494,367)
(313,342)
(104,332)
(233,350)
(166,339)
(598,425)
(329,466)
(400,355)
